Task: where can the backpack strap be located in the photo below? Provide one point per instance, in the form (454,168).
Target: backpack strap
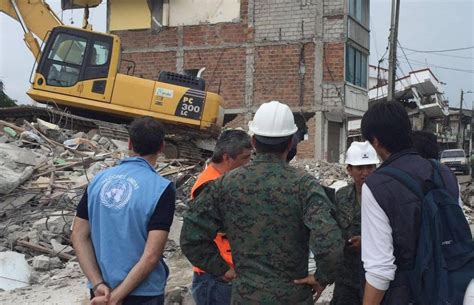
(436,177)
(404,178)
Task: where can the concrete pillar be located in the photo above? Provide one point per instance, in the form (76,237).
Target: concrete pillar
(180,51)
(320,141)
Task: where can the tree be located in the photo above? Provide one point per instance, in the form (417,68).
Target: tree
(5,100)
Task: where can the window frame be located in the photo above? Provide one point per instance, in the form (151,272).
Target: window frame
(356,67)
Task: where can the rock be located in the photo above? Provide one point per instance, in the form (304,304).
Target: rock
(96,137)
(54,224)
(80,135)
(14,271)
(41,262)
(103,140)
(58,247)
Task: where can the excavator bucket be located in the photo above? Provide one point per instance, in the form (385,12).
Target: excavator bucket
(73,4)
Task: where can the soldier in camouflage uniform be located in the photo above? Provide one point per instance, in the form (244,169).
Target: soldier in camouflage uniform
(361,160)
(272,214)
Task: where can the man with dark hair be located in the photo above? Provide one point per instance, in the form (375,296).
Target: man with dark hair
(391,213)
(271,213)
(361,160)
(122,224)
(426,144)
(233,149)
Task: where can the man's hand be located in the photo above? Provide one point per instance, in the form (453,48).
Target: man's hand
(354,243)
(315,286)
(102,295)
(229,276)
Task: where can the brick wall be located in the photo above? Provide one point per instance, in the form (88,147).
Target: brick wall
(257,58)
(149,64)
(284,20)
(306,148)
(225,68)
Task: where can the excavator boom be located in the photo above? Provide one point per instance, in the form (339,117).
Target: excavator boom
(35,17)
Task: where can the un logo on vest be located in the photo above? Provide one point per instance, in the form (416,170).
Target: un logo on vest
(116,191)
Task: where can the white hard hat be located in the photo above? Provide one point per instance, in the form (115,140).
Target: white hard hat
(361,153)
(273,120)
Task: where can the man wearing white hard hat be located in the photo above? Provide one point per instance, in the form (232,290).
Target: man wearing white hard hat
(272,214)
(361,160)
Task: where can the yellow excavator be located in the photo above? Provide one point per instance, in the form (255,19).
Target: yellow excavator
(79,68)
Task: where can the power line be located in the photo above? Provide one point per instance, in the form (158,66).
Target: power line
(420,63)
(439,51)
(444,55)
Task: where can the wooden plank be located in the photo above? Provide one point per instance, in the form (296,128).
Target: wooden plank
(41,249)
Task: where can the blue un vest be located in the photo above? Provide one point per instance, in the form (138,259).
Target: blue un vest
(121,201)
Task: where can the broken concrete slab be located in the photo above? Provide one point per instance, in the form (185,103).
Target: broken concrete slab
(10,179)
(60,248)
(54,224)
(14,271)
(12,153)
(45,263)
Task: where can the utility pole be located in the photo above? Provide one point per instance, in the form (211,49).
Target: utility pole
(392,55)
(459,123)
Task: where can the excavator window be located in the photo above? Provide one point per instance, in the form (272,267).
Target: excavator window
(100,54)
(66,57)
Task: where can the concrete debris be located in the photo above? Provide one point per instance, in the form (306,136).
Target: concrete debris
(14,271)
(60,248)
(42,179)
(45,263)
(326,173)
(43,175)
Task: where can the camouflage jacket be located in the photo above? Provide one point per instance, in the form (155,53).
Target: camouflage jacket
(272,213)
(348,217)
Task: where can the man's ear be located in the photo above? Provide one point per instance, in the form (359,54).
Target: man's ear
(130,147)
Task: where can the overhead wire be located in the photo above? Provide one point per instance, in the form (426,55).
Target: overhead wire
(439,51)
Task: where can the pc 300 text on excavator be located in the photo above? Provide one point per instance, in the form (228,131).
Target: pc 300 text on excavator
(77,69)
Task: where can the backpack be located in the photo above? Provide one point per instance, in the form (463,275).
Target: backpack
(444,262)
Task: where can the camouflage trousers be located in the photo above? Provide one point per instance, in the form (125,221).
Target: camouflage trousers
(346,295)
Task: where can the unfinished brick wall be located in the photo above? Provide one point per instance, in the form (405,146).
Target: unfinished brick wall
(149,64)
(279,72)
(269,54)
(225,72)
(306,148)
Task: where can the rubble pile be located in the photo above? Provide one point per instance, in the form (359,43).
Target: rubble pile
(43,173)
(325,172)
(467,196)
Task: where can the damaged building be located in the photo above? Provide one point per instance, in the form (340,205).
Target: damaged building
(311,55)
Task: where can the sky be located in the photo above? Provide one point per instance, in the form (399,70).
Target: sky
(430,25)
(425,25)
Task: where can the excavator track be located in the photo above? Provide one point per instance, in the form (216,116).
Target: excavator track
(179,141)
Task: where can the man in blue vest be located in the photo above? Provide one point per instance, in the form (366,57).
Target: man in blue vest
(391,213)
(122,224)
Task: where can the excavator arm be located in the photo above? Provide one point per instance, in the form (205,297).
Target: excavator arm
(36,17)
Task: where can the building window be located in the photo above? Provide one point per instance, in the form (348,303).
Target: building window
(359,10)
(356,67)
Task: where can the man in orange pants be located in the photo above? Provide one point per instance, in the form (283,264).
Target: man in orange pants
(233,149)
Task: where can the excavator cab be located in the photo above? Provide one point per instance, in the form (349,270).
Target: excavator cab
(76,62)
